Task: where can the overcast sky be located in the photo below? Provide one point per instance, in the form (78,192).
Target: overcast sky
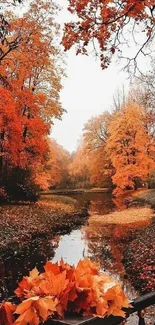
(87,91)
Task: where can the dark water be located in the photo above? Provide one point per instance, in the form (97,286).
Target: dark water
(103,244)
(99,243)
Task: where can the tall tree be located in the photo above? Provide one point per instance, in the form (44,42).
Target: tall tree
(130,147)
(78,168)
(95,139)
(30,95)
(54,171)
(96,131)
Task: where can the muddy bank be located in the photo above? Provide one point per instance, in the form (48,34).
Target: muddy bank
(20,224)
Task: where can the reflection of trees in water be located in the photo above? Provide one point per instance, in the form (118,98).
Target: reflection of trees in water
(106,244)
(13,264)
(100,203)
(97,207)
(103,248)
(104,203)
(121,202)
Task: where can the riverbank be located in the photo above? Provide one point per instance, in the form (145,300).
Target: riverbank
(145,197)
(133,230)
(20,224)
(139,259)
(139,256)
(134,215)
(68,191)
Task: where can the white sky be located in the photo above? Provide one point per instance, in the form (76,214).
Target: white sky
(87,91)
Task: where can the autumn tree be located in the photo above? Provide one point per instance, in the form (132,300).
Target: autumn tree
(30,95)
(95,139)
(130,147)
(78,168)
(90,164)
(54,171)
(7,44)
(109,26)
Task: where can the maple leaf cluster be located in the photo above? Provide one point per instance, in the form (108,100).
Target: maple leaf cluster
(63,288)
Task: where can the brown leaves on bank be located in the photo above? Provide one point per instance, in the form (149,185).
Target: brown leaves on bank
(63,288)
(140,215)
(20,223)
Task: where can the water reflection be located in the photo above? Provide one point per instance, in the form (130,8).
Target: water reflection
(99,203)
(100,248)
(102,243)
(71,248)
(103,203)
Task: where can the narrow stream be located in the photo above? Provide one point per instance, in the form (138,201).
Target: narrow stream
(101,243)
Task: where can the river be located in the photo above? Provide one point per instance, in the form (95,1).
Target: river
(103,244)
(97,242)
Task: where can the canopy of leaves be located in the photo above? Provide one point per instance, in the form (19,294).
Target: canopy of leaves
(104,23)
(130,146)
(119,147)
(54,171)
(30,83)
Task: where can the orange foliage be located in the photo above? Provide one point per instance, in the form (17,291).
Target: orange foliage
(63,288)
(78,168)
(103,22)
(90,162)
(30,82)
(118,148)
(130,147)
(95,139)
(55,167)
